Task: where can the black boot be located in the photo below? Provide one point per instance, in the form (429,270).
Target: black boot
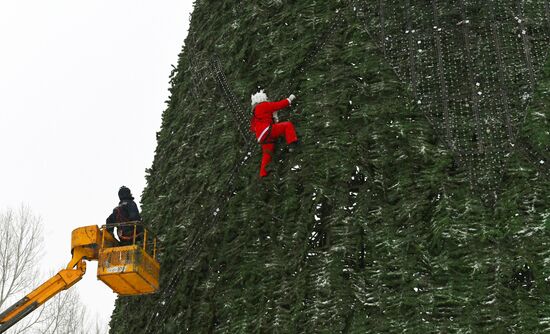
(294,147)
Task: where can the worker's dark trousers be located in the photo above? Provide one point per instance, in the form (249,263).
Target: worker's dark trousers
(278,130)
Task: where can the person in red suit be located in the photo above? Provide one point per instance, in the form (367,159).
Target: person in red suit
(265,125)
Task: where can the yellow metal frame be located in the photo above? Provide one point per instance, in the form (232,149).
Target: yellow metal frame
(129,269)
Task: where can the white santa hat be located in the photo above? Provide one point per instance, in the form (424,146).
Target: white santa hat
(259,97)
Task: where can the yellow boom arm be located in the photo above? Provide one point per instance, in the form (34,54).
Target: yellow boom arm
(61,281)
(85,242)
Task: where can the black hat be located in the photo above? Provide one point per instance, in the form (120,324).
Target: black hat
(125,193)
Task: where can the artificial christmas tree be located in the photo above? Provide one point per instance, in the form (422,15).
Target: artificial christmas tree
(418,202)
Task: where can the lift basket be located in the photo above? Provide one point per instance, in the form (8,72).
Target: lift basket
(128,270)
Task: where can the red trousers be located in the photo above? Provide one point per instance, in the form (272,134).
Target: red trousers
(277,130)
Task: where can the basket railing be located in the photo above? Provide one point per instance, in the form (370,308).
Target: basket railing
(140,236)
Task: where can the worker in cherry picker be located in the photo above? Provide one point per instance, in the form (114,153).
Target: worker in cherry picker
(265,124)
(126,211)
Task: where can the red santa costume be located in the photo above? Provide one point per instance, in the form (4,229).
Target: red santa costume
(266,127)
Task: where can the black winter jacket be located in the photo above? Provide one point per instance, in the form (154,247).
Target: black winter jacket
(126,211)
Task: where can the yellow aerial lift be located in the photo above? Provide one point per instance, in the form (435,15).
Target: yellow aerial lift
(130,269)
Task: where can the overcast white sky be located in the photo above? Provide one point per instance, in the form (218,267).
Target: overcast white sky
(82,90)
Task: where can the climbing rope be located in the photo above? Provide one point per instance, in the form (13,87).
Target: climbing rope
(312,53)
